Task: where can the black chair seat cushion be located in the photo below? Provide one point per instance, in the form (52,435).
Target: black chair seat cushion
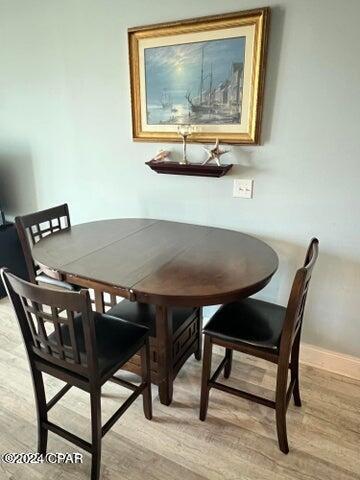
(249,321)
(144,314)
(116,340)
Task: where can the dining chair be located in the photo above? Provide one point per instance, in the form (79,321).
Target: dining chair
(265,330)
(64,338)
(145,314)
(185,333)
(31,229)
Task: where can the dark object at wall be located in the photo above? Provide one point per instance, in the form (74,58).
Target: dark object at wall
(11,254)
(2,218)
(193,169)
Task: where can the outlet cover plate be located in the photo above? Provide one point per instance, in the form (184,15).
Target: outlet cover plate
(243,188)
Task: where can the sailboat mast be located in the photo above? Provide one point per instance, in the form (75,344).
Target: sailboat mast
(202,75)
(210,85)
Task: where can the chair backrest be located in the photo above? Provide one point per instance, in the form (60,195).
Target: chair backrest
(57,326)
(297,300)
(35,226)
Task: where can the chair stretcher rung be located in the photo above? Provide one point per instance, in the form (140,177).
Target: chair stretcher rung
(218,370)
(57,397)
(123,383)
(122,409)
(68,436)
(242,394)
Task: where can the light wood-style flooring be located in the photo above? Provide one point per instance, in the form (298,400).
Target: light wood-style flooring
(237,442)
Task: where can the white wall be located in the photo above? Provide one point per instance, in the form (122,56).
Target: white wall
(65,135)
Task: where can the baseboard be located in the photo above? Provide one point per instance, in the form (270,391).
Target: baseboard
(328,360)
(318,357)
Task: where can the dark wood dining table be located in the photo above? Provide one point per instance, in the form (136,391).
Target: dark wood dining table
(159,262)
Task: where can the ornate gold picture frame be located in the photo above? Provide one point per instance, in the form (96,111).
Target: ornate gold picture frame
(206,72)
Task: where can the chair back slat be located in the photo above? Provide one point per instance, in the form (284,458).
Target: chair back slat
(35,226)
(75,351)
(297,300)
(58,333)
(31,321)
(56,326)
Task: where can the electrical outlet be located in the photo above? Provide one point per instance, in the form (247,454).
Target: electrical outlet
(243,188)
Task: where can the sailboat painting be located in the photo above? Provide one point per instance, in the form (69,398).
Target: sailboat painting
(195,83)
(205,72)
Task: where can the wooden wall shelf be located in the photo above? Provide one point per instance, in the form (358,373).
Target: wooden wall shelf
(194,169)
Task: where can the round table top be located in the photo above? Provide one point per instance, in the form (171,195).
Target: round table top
(161,262)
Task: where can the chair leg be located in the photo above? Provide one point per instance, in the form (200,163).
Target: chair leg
(95,400)
(280,407)
(281,428)
(228,365)
(294,367)
(205,390)
(99,301)
(41,410)
(145,375)
(198,352)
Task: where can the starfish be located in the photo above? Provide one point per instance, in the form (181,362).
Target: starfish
(214,153)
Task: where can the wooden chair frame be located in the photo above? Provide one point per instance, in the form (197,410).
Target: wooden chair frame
(35,226)
(286,357)
(66,363)
(167,355)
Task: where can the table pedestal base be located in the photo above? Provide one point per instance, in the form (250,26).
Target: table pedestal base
(169,350)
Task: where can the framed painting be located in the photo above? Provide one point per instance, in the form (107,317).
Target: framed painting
(206,72)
